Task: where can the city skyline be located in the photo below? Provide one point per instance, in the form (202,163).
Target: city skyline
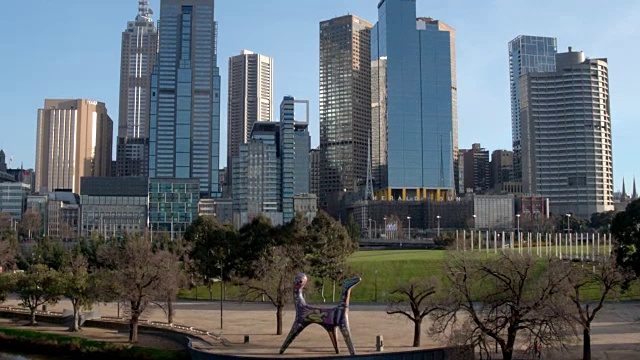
(482,80)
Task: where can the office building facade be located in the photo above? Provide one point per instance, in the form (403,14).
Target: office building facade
(137,59)
(476,169)
(526,54)
(74,140)
(345,107)
(114,206)
(314,171)
(250,97)
(173,205)
(418,59)
(13,199)
(63,215)
(184,120)
(566,135)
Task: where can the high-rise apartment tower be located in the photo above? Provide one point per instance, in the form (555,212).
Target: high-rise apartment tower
(74,140)
(184,139)
(526,54)
(566,135)
(345,107)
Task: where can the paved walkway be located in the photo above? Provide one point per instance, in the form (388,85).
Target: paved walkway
(616,333)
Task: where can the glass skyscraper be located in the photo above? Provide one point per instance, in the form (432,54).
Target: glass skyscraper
(527,54)
(185,96)
(419,111)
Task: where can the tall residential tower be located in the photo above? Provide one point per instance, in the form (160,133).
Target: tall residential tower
(566,135)
(415,104)
(184,137)
(526,54)
(138,56)
(345,107)
(250,96)
(74,140)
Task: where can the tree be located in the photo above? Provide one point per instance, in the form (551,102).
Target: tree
(328,247)
(273,278)
(413,299)
(8,254)
(211,246)
(5,223)
(31,223)
(39,285)
(601,222)
(6,286)
(605,276)
(353,229)
(503,297)
(139,275)
(79,286)
(626,230)
(50,252)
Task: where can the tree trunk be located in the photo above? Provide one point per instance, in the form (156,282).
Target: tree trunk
(170,310)
(586,344)
(279,320)
(417,331)
(322,292)
(75,327)
(33,316)
(133,328)
(507,349)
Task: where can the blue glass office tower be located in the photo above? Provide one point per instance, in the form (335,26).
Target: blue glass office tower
(185,96)
(420,104)
(527,54)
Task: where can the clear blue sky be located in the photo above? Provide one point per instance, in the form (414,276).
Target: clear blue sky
(71,49)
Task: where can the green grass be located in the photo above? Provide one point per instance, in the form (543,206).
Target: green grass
(35,341)
(393,267)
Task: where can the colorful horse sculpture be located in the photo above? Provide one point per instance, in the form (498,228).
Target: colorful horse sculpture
(329,319)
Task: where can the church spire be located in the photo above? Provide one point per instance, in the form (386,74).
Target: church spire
(624,196)
(634,196)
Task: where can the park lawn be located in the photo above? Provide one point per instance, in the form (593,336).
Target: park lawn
(382,270)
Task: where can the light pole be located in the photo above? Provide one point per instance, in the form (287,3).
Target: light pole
(438,218)
(474,221)
(385,226)
(409,218)
(568,221)
(518,220)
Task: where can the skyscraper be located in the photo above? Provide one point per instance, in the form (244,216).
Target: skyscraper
(414,60)
(345,107)
(250,96)
(526,54)
(138,56)
(566,135)
(184,121)
(74,140)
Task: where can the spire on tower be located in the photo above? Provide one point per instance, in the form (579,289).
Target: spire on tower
(624,196)
(634,196)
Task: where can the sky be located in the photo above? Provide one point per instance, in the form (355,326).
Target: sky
(71,49)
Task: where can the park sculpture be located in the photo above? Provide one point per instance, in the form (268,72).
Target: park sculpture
(329,319)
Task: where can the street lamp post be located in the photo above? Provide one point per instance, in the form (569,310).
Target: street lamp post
(438,218)
(518,234)
(518,220)
(568,221)
(409,218)
(385,227)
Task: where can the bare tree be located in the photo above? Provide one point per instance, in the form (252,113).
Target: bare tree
(8,254)
(39,285)
(605,276)
(413,299)
(274,274)
(31,223)
(139,275)
(506,298)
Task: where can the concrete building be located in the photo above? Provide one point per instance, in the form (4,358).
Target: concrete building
(526,54)
(137,59)
(173,205)
(74,140)
(113,206)
(306,204)
(13,199)
(250,97)
(184,120)
(63,215)
(501,169)
(38,205)
(476,169)
(220,209)
(345,108)
(419,75)
(272,167)
(314,171)
(566,135)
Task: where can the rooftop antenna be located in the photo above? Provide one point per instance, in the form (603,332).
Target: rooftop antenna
(144,12)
